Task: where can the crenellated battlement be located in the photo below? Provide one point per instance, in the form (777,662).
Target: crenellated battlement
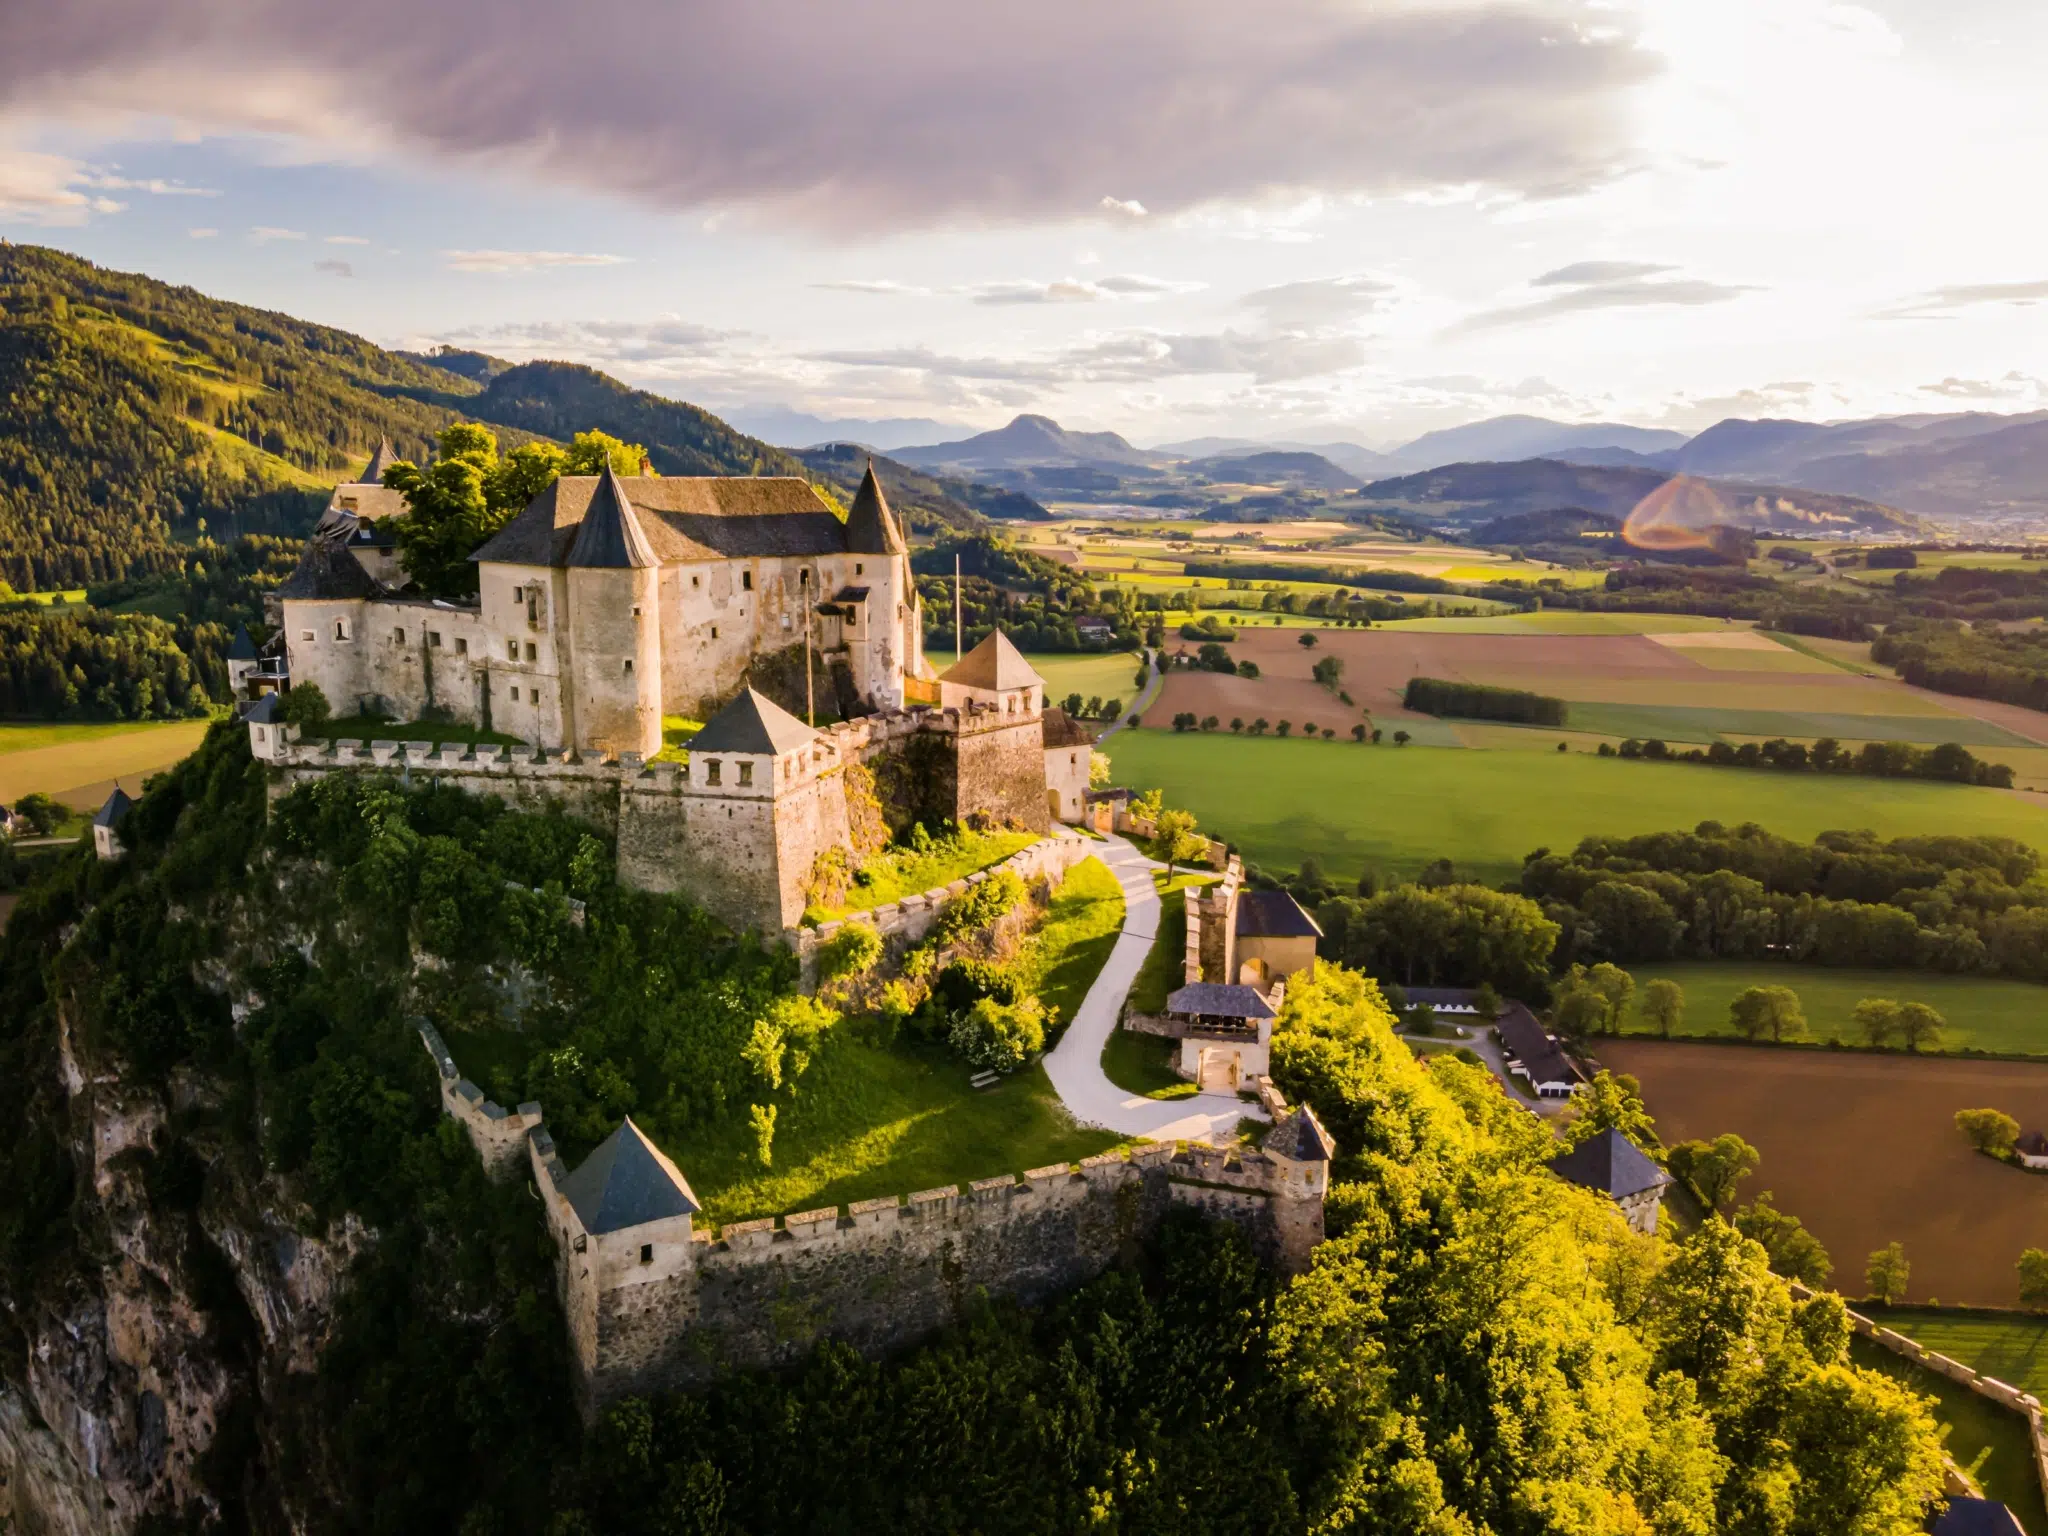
(667,1302)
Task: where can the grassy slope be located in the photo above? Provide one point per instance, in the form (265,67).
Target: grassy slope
(902,872)
(1984,1012)
(1396,809)
(869,1121)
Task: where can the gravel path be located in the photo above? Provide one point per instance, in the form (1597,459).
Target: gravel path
(1075,1064)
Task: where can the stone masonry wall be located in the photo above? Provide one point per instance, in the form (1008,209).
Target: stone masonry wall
(499,1135)
(1000,772)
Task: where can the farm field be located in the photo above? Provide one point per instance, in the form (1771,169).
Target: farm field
(1985,1013)
(1394,809)
(79,763)
(1864,1150)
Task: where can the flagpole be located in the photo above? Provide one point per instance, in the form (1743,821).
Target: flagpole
(959,649)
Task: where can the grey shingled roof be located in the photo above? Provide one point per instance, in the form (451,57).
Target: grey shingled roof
(263,711)
(117,805)
(713,517)
(1612,1164)
(1977,1517)
(1062,730)
(627,1182)
(1528,1043)
(1219,1001)
(610,537)
(381,460)
(754,724)
(243,648)
(870,526)
(1300,1135)
(994,664)
(328,570)
(1273,915)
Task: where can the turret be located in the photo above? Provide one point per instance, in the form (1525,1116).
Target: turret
(614,627)
(890,641)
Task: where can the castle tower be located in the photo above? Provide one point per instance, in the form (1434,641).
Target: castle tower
(614,628)
(1300,1151)
(887,640)
(994,708)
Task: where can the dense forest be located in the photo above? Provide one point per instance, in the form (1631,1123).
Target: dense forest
(1035,600)
(1980,662)
(1479,1347)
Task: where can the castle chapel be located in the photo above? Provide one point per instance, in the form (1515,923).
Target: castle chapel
(609,602)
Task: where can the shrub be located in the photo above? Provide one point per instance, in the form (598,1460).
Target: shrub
(1990,1130)
(979,906)
(852,951)
(305,706)
(1000,1036)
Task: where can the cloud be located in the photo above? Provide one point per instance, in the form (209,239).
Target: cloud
(335,268)
(2012,386)
(1130,357)
(1321,300)
(886,115)
(1065,290)
(263,234)
(202,233)
(524,261)
(1944,301)
(46,189)
(663,339)
(1583,272)
(344,240)
(156,186)
(1588,292)
(876,285)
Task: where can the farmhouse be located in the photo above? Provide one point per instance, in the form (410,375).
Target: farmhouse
(2032,1150)
(1612,1164)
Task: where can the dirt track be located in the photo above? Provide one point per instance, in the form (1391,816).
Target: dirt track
(1864,1150)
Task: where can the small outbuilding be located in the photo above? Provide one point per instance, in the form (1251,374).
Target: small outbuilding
(1276,938)
(2032,1150)
(1225,1034)
(1617,1168)
(106,825)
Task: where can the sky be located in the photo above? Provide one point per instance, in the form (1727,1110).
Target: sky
(1291,221)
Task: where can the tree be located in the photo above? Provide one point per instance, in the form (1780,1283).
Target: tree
(1990,1131)
(1358,733)
(1209,722)
(1072,704)
(1236,724)
(1401,738)
(43,814)
(1795,1252)
(1611,1102)
(1485,1001)
(588,454)
(1259,726)
(1098,769)
(1885,1276)
(1283,727)
(1184,721)
(1877,1020)
(1919,1025)
(1714,1169)
(1247,668)
(305,706)
(1663,1006)
(1308,639)
(1329,672)
(1578,1013)
(1773,1011)
(2033,1271)
(1175,838)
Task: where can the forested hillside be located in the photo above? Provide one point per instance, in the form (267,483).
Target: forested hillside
(356,1332)
(131,411)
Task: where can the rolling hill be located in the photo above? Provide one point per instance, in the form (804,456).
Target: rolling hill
(1275,467)
(1503,439)
(1035,442)
(926,502)
(1478,493)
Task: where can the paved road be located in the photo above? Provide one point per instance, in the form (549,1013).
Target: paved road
(1140,703)
(1075,1064)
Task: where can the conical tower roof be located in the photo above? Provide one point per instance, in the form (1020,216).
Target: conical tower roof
(870,525)
(994,664)
(381,460)
(610,536)
(752,723)
(627,1182)
(243,649)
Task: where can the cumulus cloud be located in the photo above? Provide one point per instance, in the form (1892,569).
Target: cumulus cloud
(896,113)
(335,268)
(1582,272)
(1592,285)
(1937,302)
(46,189)
(1320,301)
(2013,386)
(524,261)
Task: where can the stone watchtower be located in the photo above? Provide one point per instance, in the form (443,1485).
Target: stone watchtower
(993,704)
(614,627)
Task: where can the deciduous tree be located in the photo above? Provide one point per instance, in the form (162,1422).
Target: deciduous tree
(1990,1130)
(1714,1169)
(1758,1012)
(1887,1273)
(1663,1006)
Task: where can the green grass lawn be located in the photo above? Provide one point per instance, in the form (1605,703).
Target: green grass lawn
(869,1121)
(1143,1064)
(1984,1012)
(1394,809)
(900,871)
(1060,962)
(1166,960)
(1981,1435)
(2012,1346)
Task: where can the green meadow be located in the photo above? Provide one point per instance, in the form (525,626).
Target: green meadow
(1395,809)
(1984,1013)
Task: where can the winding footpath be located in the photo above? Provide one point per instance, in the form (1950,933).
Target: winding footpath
(1075,1064)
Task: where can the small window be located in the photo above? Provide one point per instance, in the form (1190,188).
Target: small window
(434,639)
(341,629)
(746,581)
(515,695)
(746,774)
(858,568)
(647,1253)
(511,650)
(260,737)
(348,503)
(696,581)
(711,771)
(532,651)
(461,647)
(636,610)
(306,635)
(629,666)
(398,637)
(714,633)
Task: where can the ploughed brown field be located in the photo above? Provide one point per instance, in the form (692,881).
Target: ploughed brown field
(1864,1150)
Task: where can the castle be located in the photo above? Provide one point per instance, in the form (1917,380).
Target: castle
(612,601)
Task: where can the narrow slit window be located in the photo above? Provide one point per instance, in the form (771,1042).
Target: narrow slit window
(629,666)
(511,650)
(746,581)
(398,637)
(647,1253)
(461,647)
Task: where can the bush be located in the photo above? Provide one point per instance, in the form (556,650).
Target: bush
(852,951)
(999,1036)
(305,706)
(979,906)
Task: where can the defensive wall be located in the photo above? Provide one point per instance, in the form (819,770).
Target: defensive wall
(672,1304)
(1991,1388)
(744,848)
